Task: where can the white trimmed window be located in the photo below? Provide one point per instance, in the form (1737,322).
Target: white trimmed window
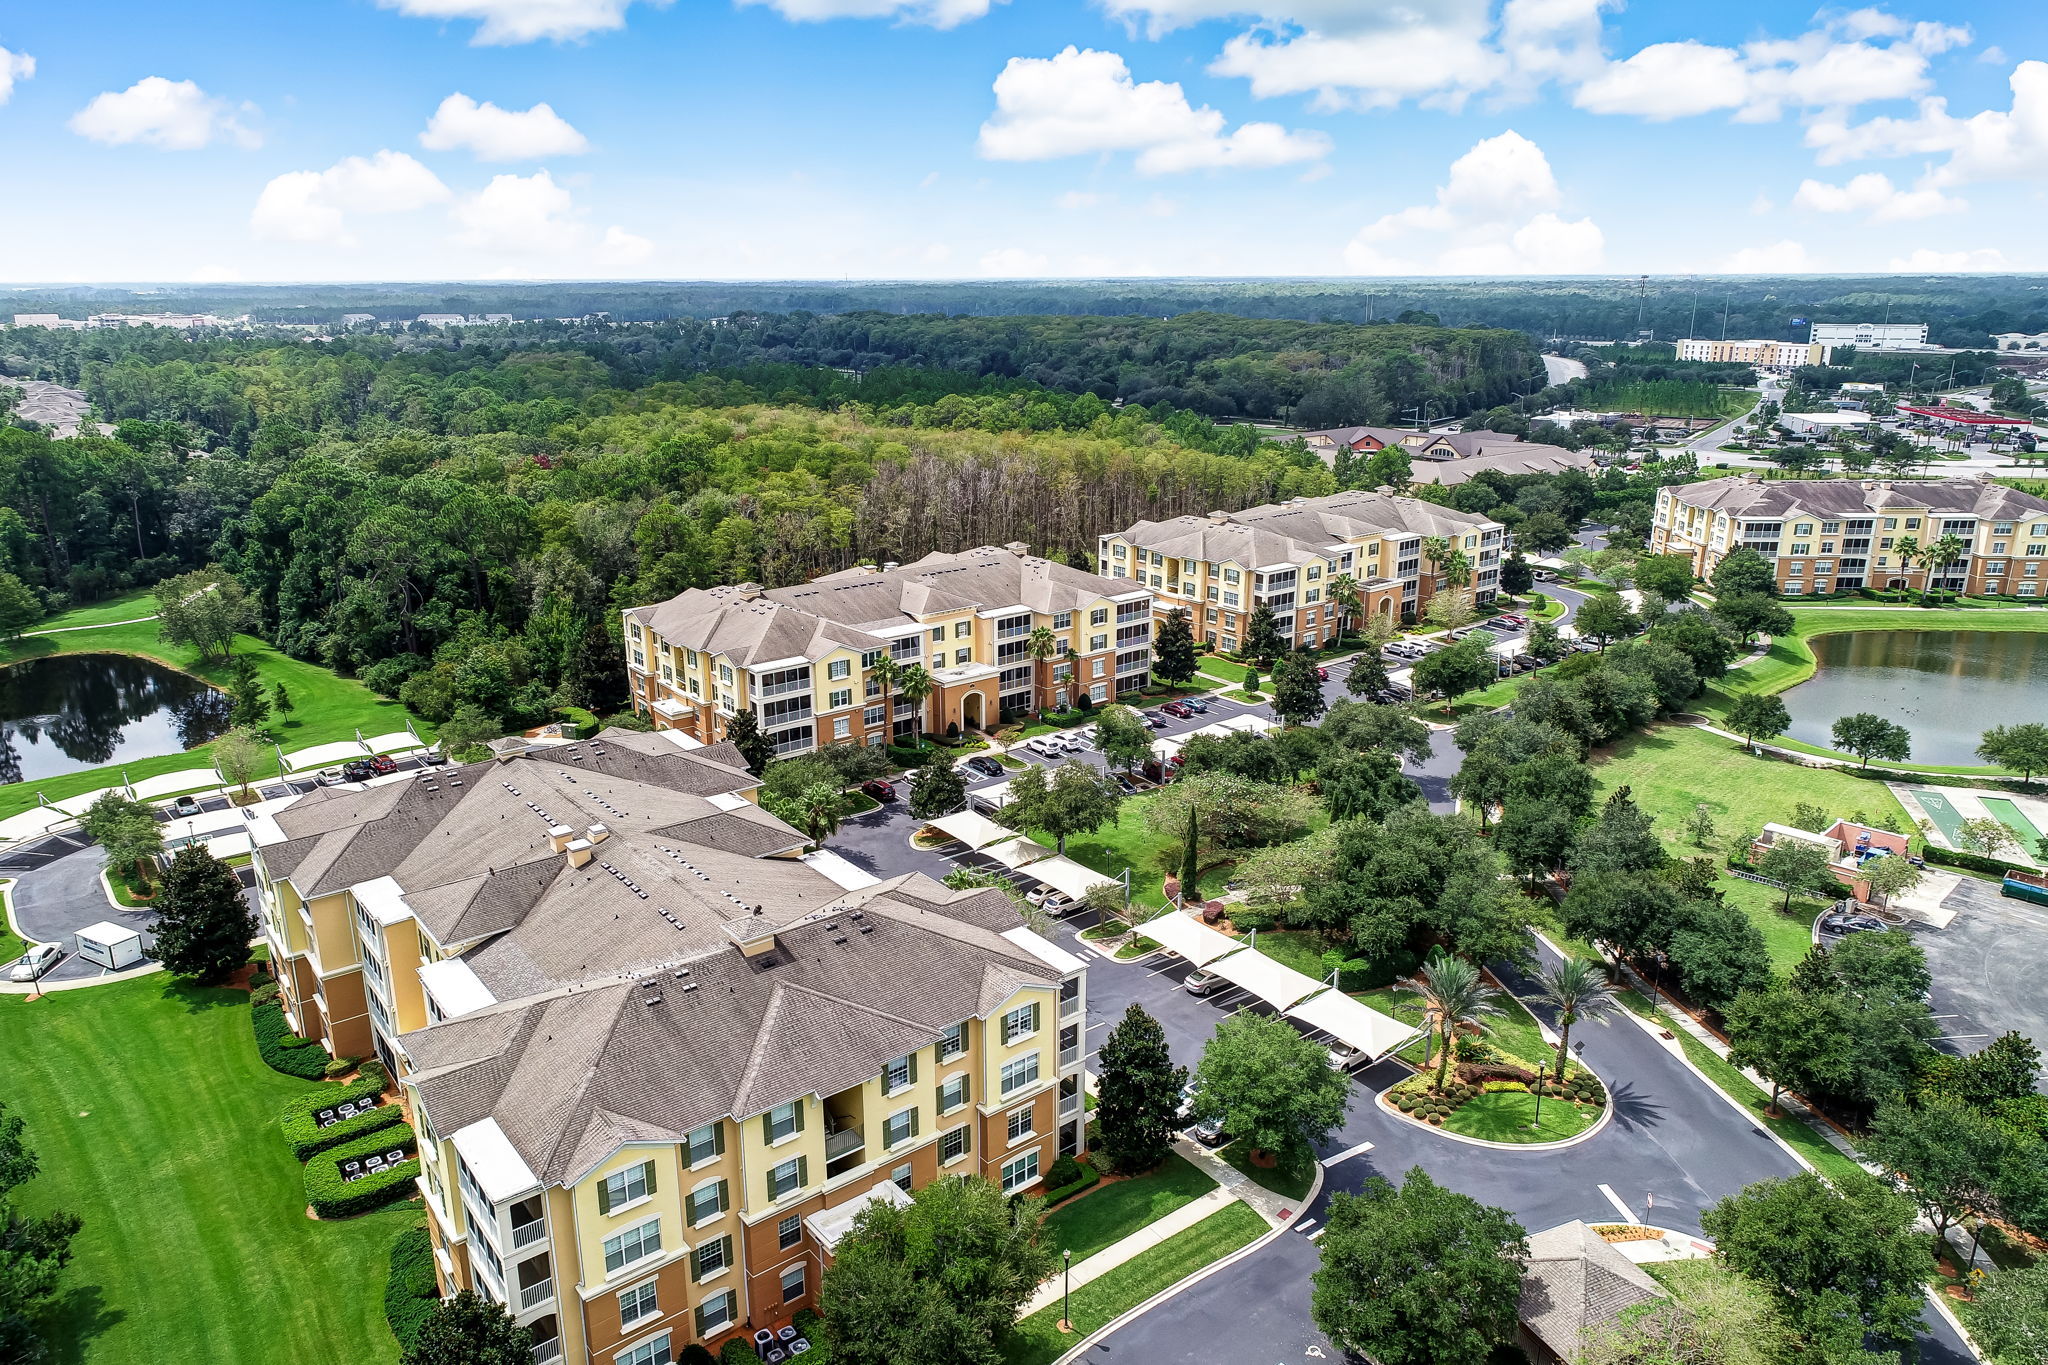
(953,1093)
(784,1120)
(707,1143)
(637,1303)
(710,1258)
(1021,1172)
(793,1283)
(1020,1073)
(786,1177)
(955,1143)
(1020,1022)
(706,1202)
(899,1127)
(633,1245)
(953,1042)
(899,1074)
(652,1352)
(622,1189)
(1020,1123)
(716,1313)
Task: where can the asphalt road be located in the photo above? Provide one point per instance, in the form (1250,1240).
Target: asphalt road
(1987,966)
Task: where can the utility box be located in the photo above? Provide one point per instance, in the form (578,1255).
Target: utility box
(112,946)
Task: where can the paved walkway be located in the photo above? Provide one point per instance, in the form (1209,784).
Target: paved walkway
(97,625)
(1233,1186)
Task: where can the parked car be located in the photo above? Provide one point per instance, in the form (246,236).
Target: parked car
(1322,674)
(1058,903)
(1504,627)
(1345,1057)
(984,766)
(1851,924)
(331,777)
(1154,719)
(1038,893)
(1203,983)
(185,806)
(879,789)
(383,765)
(1196,705)
(1513,618)
(1209,1132)
(38,959)
(357,770)
(1068,744)
(1545,575)
(1179,710)
(434,757)
(1044,744)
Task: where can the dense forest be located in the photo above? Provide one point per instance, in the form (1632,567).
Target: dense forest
(459,525)
(1961,310)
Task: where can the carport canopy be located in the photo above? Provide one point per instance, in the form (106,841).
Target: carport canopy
(1278,985)
(1017,852)
(1067,877)
(1363,1027)
(975,831)
(1189,938)
(995,797)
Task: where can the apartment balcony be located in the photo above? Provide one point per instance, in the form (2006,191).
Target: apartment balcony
(1070,1055)
(842,1143)
(529,1234)
(1070,1105)
(532,1296)
(1070,1006)
(782,689)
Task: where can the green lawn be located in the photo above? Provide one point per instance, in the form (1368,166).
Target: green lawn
(1217,667)
(1505,1116)
(126,607)
(1129,843)
(1115,1209)
(1671,398)
(325,706)
(1816,1149)
(11,944)
(1038,1339)
(156,1123)
(1790,661)
(1289,1182)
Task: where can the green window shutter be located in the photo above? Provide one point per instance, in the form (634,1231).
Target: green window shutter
(803,1171)
(912,1063)
(913,1123)
(604,1197)
(800,1107)
(650,1177)
(718,1138)
(724,1197)
(768,1126)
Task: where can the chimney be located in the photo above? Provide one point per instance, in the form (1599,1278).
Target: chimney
(1752,477)
(597,834)
(1885,484)
(1018,548)
(747,592)
(1869,485)
(1219,516)
(579,852)
(559,837)
(891,566)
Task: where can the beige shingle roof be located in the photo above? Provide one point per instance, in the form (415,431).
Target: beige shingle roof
(1294,532)
(1576,1283)
(1772,499)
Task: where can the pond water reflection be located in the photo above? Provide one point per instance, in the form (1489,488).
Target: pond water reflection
(67,712)
(1945,686)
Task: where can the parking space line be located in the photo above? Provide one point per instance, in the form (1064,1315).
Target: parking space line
(1615,1199)
(1360,1150)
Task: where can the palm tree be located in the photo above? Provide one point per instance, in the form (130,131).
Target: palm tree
(1943,553)
(1436,549)
(914,685)
(1578,987)
(1453,994)
(819,809)
(1908,551)
(1344,592)
(1041,645)
(887,674)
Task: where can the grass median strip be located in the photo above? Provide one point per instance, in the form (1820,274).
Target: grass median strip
(1038,1339)
(1116,1209)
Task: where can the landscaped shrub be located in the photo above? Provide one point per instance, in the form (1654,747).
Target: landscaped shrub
(333,1197)
(738,1352)
(1495,1087)
(263,995)
(261,977)
(410,1290)
(305,1137)
(283,1050)
(339,1067)
(1063,1171)
(374,1070)
(1067,1178)
(1971,862)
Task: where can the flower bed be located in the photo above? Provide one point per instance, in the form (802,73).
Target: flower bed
(1625,1232)
(301,1124)
(1486,1070)
(332,1195)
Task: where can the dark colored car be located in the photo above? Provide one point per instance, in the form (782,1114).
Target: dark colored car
(984,767)
(358,770)
(434,758)
(880,790)
(383,765)
(1178,709)
(1155,720)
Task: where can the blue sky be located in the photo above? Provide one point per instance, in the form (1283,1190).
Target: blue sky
(432,139)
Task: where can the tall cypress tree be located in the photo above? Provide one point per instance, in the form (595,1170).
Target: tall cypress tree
(203,925)
(1138,1097)
(1191,861)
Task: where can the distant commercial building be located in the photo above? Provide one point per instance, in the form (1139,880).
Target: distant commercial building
(1449,457)
(2004,341)
(1826,535)
(1288,556)
(1966,419)
(41,320)
(1760,352)
(1871,336)
(1825,423)
(357,319)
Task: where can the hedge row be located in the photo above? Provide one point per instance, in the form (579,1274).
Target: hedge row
(410,1290)
(1073,1177)
(1974,862)
(333,1197)
(283,1050)
(305,1137)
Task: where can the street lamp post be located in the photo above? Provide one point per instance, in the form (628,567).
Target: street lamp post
(1066,1291)
(1538,1124)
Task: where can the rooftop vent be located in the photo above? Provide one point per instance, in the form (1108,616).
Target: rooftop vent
(579,852)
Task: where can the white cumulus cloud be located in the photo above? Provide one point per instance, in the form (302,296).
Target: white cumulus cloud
(620,247)
(1873,193)
(503,22)
(14,66)
(1083,101)
(1996,144)
(314,206)
(1778,258)
(1495,214)
(494,134)
(1926,261)
(518,215)
(937,13)
(175,115)
(1013,260)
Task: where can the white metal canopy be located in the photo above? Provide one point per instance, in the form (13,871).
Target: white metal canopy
(1067,876)
(1189,937)
(975,831)
(1361,1026)
(1017,852)
(1278,985)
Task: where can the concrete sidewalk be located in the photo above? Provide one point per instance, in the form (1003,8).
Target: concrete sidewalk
(1232,1187)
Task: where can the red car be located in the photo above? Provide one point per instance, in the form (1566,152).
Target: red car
(880,790)
(1179,709)
(383,765)
(1322,674)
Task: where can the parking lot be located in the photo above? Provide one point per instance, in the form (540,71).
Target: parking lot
(1987,965)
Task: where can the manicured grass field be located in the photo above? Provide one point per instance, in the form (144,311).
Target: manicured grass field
(1130,843)
(1114,1210)
(126,607)
(11,943)
(325,706)
(156,1123)
(1221,668)
(1790,659)
(1038,1339)
(1671,398)
(1289,1181)
(1506,1115)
